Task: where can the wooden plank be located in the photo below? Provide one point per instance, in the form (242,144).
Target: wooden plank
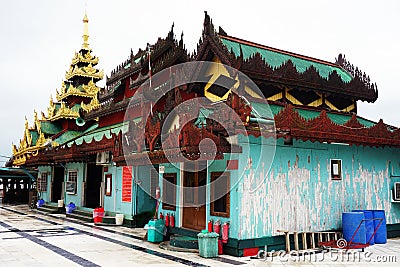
(304,239)
(287,239)
(296,241)
(312,240)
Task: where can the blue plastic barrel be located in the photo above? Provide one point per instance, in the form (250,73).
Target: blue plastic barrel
(381,234)
(369,225)
(350,222)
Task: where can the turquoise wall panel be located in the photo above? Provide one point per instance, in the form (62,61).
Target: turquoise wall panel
(297,193)
(142,189)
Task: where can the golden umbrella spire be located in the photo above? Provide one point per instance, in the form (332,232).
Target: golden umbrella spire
(85,36)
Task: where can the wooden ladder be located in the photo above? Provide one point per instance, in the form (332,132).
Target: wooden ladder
(310,237)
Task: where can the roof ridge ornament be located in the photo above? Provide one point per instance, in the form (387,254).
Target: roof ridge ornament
(357,74)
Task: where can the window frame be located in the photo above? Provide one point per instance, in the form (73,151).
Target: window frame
(70,183)
(214,176)
(339,175)
(42,183)
(166,206)
(108,185)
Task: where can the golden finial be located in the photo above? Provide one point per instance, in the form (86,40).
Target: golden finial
(26,123)
(85,36)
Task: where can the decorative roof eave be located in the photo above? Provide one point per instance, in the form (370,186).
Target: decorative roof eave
(164,156)
(86,58)
(104,109)
(88,72)
(322,129)
(210,41)
(88,91)
(75,153)
(158,49)
(93,105)
(62,113)
(28,146)
(256,68)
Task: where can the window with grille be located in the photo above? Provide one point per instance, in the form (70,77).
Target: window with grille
(220,196)
(169,191)
(42,182)
(71,184)
(153,181)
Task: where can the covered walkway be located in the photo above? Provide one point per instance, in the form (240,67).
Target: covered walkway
(17,185)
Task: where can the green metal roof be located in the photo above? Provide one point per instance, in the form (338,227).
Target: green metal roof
(50,128)
(35,136)
(264,110)
(98,133)
(275,59)
(67,136)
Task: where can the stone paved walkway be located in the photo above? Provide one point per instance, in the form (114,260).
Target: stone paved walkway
(29,238)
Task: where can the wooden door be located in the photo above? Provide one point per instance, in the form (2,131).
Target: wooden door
(194,199)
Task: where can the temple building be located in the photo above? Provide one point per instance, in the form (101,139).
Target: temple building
(237,132)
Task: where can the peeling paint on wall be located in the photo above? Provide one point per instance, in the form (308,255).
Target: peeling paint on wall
(302,196)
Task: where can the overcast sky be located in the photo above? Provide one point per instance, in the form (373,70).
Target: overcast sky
(38,39)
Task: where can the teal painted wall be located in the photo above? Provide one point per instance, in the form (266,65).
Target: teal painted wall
(141,184)
(114,202)
(140,201)
(46,195)
(297,193)
(108,201)
(215,166)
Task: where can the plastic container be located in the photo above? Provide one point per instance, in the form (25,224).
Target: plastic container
(350,223)
(208,244)
(40,203)
(70,208)
(381,234)
(155,231)
(119,219)
(369,225)
(98,214)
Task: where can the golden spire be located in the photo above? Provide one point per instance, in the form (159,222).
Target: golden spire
(85,36)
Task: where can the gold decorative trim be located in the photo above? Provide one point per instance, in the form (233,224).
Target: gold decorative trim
(64,113)
(89,90)
(26,149)
(94,104)
(87,71)
(86,58)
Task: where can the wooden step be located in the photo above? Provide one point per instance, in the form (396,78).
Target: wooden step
(83,212)
(184,242)
(50,209)
(80,217)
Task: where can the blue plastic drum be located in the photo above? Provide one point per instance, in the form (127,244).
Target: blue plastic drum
(369,225)
(350,223)
(381,234)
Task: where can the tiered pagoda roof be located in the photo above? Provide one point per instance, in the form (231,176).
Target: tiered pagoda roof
(78,90)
